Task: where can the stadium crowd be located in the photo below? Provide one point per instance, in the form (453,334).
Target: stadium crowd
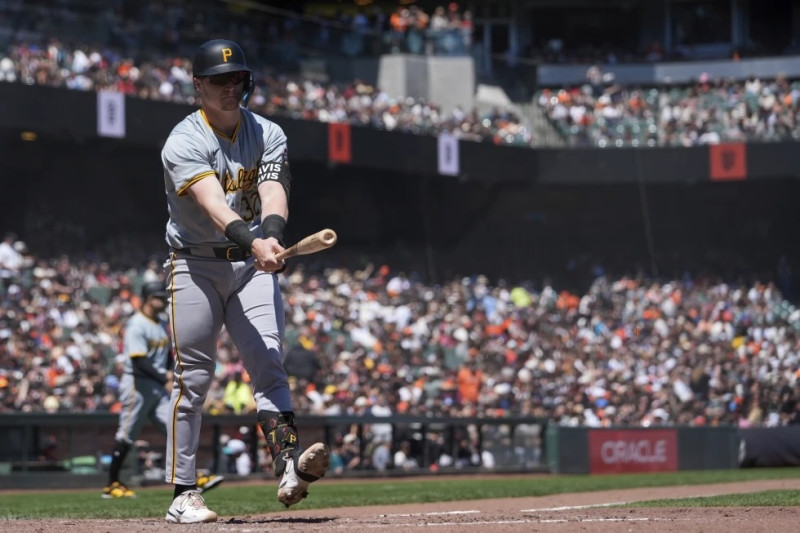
(276,94)
(627,352)
(151,60)
(372,340)
(709,111)
(178,26)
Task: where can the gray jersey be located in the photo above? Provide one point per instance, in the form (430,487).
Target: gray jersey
(195,150)
(146,338)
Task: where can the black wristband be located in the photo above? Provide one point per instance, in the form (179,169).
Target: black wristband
(273,226)
(238,232)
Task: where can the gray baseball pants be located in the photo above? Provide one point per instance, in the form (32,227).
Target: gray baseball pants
(206,294)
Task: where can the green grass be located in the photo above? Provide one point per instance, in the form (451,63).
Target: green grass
(238,499)
(768,498)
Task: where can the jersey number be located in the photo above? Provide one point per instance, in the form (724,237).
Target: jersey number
(251,207)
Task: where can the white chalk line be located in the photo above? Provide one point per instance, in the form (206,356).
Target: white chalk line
(362,525)
(573,507)
(347,523)
(434,513)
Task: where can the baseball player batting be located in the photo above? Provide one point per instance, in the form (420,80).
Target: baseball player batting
(227,183)
(146,345)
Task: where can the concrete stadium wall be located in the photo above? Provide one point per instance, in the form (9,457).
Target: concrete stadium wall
(448,81)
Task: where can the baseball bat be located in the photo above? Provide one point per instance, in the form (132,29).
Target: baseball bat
(311,244)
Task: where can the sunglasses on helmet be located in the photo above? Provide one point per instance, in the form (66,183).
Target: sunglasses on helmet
(236,77)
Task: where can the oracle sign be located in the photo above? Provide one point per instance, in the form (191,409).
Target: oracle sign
(618,451)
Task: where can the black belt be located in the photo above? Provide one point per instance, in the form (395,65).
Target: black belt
(230,253)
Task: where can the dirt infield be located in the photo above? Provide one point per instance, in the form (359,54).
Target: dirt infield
(582,512)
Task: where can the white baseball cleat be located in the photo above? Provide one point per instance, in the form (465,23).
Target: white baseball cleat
(190,508)
(309,467)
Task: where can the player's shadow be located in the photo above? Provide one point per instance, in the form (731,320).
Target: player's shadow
(284,520)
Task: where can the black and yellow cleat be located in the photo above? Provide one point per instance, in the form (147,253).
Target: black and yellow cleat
(206,482)
(117,490)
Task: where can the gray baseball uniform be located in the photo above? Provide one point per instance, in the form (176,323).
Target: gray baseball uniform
(208,290)
(142,396)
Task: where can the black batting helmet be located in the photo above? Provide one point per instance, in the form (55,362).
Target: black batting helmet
(219,56)
(154,288)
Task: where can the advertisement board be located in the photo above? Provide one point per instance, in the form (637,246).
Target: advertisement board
(626,451)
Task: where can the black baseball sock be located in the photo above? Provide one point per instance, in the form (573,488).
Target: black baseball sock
(117,458)
(180,489)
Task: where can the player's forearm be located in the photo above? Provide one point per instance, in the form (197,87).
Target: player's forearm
(273,200)
(208,194)
(274,210)
(220,214)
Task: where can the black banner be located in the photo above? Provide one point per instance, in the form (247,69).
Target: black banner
(779,446)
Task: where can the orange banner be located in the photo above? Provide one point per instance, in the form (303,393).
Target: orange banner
(728,162)
(339,143)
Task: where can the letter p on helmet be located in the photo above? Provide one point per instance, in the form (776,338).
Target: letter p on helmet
(226,53)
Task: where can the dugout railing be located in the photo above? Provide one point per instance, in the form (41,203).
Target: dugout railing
(40,449)
(66,450)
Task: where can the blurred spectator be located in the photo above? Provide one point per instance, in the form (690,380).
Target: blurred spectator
(153,272)
(350,453)
(11,260)
(403,460)
(338,462)
(381,432)
(238,457)
(301,363)
(470,380)
(466,454)
(382,456)
(238,395)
